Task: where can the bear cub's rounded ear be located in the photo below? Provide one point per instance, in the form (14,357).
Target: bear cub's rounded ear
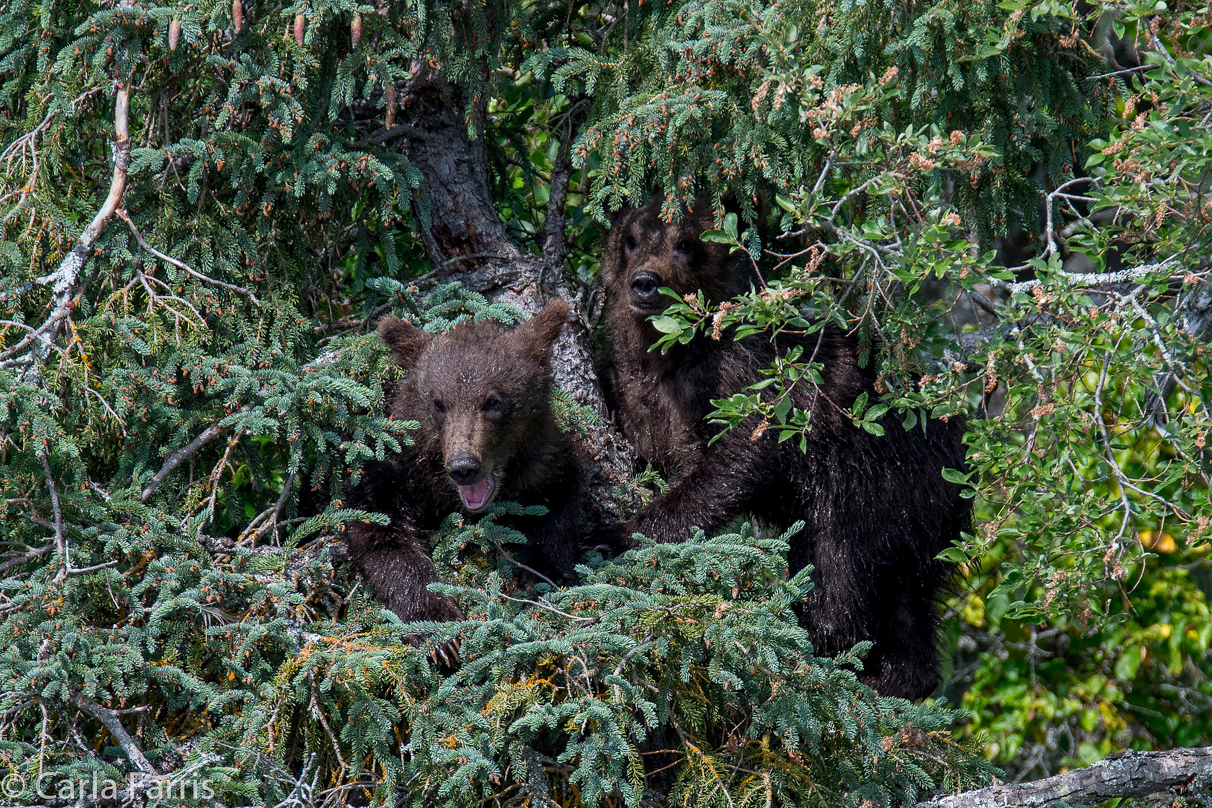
(540,331)
(405,340)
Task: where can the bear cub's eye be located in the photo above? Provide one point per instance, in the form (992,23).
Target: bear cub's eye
(438,405)
(683,246)
(492,404)
(630,242)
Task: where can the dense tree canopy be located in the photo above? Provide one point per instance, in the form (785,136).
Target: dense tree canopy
(205,207)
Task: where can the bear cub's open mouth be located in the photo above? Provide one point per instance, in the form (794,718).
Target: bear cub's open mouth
(477,495)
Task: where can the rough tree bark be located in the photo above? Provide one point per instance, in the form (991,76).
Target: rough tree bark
(466,241)
(1130,774)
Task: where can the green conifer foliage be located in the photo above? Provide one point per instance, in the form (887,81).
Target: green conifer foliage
(188,386)
(680,653)
(747,96)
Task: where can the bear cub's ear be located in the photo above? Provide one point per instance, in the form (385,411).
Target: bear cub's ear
(405,340)
(539,333)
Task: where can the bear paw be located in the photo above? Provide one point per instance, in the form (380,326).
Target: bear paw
(439,609)
(612,539)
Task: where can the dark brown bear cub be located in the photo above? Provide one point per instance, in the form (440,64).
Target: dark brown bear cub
(876,509)
(482,395)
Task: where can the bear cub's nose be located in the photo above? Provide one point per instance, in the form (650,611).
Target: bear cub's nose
(645,287)
(463,469)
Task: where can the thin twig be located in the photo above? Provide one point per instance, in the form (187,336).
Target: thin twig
(855,192)
(1124,483)
(1059,191)
(509,557)
(184,453)
(27,143)
(93,568)
(824,171)
(215,430)
(1137,69)
(1160,47)
(60,538)
(643,645)
(1166,355)
(550,608)
(332,737)
(181,264)
(270,515)
(217,474)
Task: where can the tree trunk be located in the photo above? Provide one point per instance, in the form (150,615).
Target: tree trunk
(459,225)
(1130,774)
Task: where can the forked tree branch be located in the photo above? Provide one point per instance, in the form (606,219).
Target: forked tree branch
(114,725)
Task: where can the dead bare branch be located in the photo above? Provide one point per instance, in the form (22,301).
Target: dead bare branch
(1130,774)
(184,453)
(13,563)
(268,519)
(111,722)
(60,538)
(32,350)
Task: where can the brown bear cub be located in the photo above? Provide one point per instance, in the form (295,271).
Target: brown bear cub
(876,510)
(482,395)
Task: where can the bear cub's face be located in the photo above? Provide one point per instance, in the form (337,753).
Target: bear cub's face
(645,253)
(476,391)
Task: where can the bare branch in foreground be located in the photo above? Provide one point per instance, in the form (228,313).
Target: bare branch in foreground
(1089,280)
(180,456)
(267,520)
(133,753)
(60,536)
(63,280)
(213,431)
(1131,774)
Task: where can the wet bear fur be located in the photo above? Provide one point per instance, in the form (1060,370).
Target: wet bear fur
(876,510)
(482,396)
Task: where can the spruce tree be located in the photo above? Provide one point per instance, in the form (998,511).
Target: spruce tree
(204,207)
